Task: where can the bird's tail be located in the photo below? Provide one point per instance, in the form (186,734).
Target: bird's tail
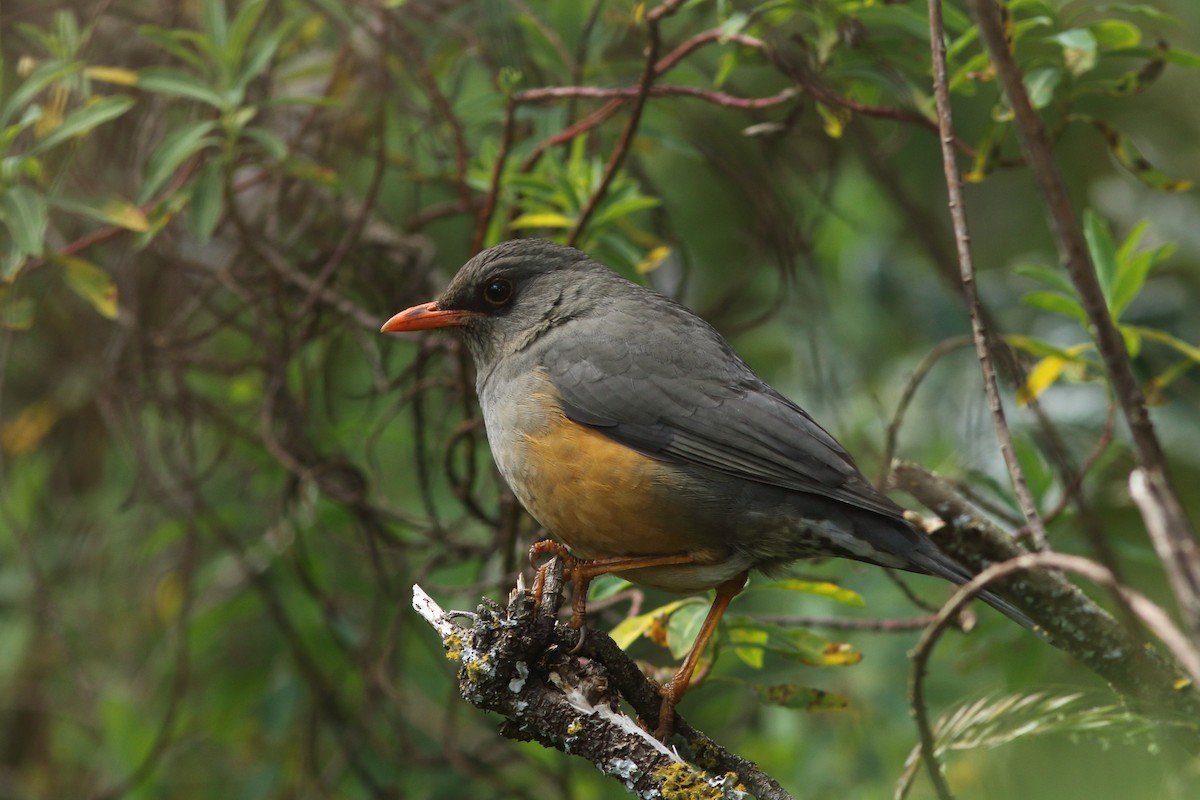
(934,562)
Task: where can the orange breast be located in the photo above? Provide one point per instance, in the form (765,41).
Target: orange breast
(599,497)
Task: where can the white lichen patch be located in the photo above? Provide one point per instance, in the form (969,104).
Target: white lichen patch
(518,683)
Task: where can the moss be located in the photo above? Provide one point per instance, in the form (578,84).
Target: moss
(680,782)
(454,647)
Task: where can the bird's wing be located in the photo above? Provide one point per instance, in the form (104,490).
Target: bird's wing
(681,394)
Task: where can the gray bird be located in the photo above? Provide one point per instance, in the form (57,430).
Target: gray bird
(631,430)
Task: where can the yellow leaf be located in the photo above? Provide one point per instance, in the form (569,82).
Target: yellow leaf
(753,656)
(628,630)
(117,75)
(125,214)
(545,220)
(1041,377)
(835,120)
(168,597)
(26,431)
(653,260)
(840,655)
(91,283)
(52,112)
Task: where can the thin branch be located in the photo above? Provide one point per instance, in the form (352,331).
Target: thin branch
(910,390)
(1065,616)
(631,125)
(1153,617)
(612,106)
(489,202)
(441,104)
(1179,556)
(1074,254)
(962,238)
(724,99)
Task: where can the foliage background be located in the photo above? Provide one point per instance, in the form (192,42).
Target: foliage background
(218,483)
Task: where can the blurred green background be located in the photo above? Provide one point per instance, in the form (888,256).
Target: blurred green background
(218,482)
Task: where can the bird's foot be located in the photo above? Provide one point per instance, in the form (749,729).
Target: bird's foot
(575,570)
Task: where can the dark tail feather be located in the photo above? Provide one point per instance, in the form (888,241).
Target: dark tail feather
(935,562)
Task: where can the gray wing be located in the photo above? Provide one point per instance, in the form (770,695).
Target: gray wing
(681,394)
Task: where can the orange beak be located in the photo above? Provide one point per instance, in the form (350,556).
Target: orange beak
(426,316)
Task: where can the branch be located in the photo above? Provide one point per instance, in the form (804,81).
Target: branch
(1153,617)
(631,125)
(1111,345)
(517,661)
(1063,613)
(962,238)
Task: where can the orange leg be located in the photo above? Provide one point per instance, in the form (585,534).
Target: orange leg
(581,572)
(674,689)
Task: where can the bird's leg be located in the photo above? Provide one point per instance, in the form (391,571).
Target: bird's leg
(673,690)
(581,572)
(540,549)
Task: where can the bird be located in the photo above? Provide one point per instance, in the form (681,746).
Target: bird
(634,433)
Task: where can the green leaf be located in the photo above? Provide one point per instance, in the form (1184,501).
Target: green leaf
(604,586)
(260,56)
(271,143)
(91,283)
(623,208)
(803,698)
(1079,49)
(176,43)
(1057,303)
(796,644)
(683,627)
(1036,347)
(1102,249)
(1129,157)
(1183,58)
(750,645)
(42,76)
(1041,83)
(241,29)
(1141,10)
(207,201)
(176,147)
(24,214)
(216,25)
(1115,34)
(1162,337)
(1133,268)
(825,589)
(177,83)
(1048,275)
(114,211)
(83,120)
(630,629)
(16,313)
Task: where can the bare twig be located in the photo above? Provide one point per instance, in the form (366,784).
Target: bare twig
(631,125)
(493,195)
(724,99)
(1153,617)
(1179,556)
(1065,616)
(967,268)
(910,390)
(1075,257)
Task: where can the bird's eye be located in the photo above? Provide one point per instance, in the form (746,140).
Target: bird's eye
(497,291)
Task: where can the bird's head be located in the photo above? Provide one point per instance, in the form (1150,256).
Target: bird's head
(510,295)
